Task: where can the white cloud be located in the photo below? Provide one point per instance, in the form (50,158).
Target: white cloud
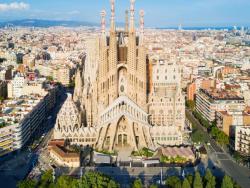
(14,6)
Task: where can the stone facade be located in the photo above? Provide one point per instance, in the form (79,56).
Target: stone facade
(112,89)
(166,103)
(69,126)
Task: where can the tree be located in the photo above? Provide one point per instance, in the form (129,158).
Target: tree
(190,179)
(208,175)
(173,182)
(49,78)
(203,121)
(46,179)
(197,180)
(236,185)
(222,138)
(96,179)
(190,104)
(1,98)
(227,182)
(65,182)
(137,183)
(237,156)
(185,183)
(214,131)
(219,135)
(198,136)
(27,184)
(112,184)
(90,179)
(211,183)
(47,176)
(209,179)
(153,186)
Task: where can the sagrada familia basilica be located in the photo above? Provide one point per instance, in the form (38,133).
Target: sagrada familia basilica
(122,97)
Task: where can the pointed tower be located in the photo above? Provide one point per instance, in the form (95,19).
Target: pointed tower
(112,64)
(103,23)
(112,19)
(142,67)
(103,63)
(142,27)
(126,21)
(132,17)
(132,54)
(78,86)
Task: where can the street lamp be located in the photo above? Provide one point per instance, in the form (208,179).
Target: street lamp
(81,173)
(130,162)
(161,176)
(183,174)
(54,175)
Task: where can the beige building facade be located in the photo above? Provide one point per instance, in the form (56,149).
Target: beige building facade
(112,90)
(114,94)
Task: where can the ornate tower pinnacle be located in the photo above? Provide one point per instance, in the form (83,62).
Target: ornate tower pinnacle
(126,21)
(103,22)
(112,24)
(132,15)
(142,13)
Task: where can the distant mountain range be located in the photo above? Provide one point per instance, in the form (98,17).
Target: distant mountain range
(46,23)
(53,23)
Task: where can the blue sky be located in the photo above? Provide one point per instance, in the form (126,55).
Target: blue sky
(161,13)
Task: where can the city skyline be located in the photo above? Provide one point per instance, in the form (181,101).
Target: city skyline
(124,93)
(161,13)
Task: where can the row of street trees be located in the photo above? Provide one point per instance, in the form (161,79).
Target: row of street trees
(89,179)
(99,180)
(216,133)
(196,181)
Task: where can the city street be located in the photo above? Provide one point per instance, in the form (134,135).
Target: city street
(20,164)
(148,175)
(222,159)
(212,142)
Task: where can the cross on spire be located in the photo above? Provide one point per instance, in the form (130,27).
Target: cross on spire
(103,21)
(112,2)
(132,15)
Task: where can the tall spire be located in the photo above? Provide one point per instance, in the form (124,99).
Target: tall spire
(142,13)
(132,16)
(103,21)
(112,21)
(126,21)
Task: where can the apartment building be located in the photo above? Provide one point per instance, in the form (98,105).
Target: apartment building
(228,120)
(15,86)
(6,138)
(209,101)
(191,91)
(22,85)
(242,140)
(20,118)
